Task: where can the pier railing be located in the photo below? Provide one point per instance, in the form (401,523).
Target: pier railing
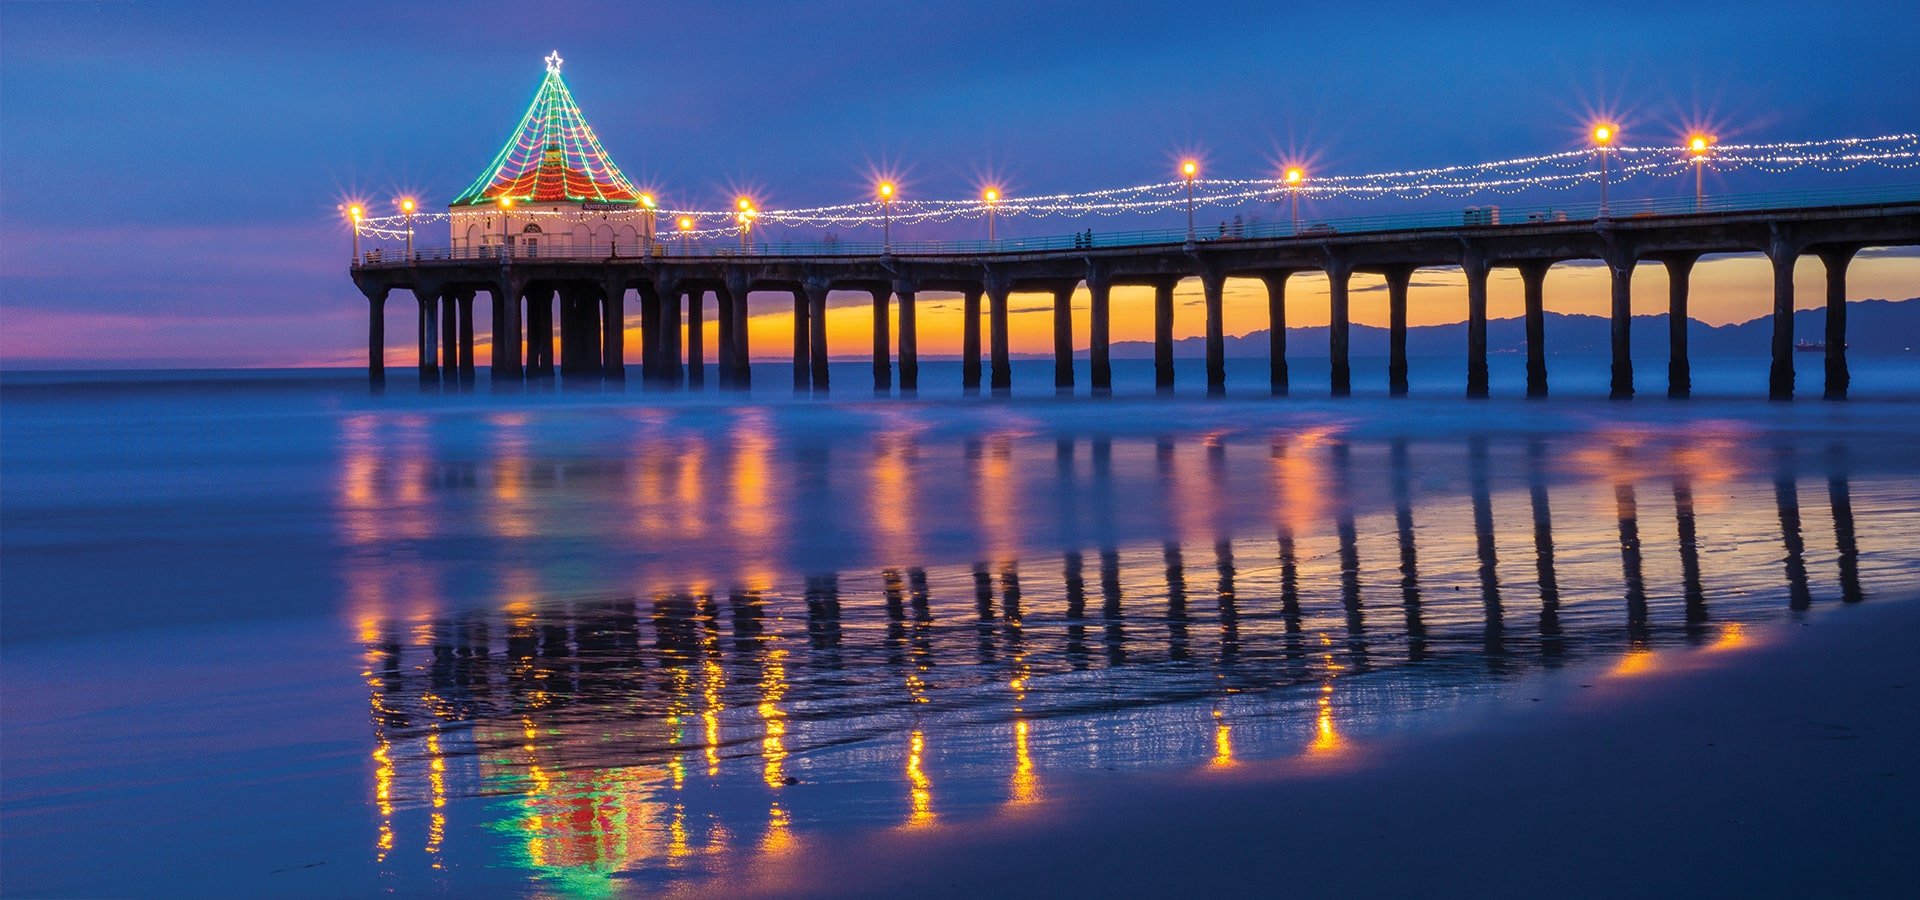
(552,247)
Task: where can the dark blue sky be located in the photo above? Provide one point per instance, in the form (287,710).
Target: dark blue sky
(224,124)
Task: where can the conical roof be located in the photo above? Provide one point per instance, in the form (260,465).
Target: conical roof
(552,156)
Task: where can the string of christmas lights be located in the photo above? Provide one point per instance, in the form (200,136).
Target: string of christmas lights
(1565,170)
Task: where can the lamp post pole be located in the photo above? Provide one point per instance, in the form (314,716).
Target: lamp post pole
(1188,171)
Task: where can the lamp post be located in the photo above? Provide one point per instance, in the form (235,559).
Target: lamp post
(506,232)
(745,219)
(1189,170)
(647,225)
(1602,137)
(1699,146)
(406,206)
(1294,175)
(992,198)
(886,216)
(686,237)
(354,212)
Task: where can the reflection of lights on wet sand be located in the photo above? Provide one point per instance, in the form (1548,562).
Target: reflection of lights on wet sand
(1026,786)
(1733,636)
(1326,740)
(773,686)
(437,778)
(1638,661)
(710,714)
(1222,742)
(922,792)
(779,836)
(383,792)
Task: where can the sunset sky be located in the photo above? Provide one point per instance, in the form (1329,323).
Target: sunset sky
(171,172)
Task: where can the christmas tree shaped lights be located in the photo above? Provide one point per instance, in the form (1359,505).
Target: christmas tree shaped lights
(553,156)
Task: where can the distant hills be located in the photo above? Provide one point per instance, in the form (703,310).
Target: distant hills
(1874,328)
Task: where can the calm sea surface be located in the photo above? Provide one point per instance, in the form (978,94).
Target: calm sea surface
(267,633)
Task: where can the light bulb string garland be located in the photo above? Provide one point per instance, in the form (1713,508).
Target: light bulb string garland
(1565,171)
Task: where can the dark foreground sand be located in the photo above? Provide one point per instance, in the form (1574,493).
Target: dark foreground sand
(1783,766)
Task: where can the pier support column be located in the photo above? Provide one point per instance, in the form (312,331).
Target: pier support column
(1838,378)
(429,335)
(1476,266)
(377,336)
(466,335)
(1398,278)
(650,293)
(1620,262)
(882,338)
(1163,334)
(738,286)
(497,348)
(1679,364)
(670,338)
(1339,273)
(1533,278)
(613,335)
(817,331)
(1276,283)
(802,342)
(449,336)
(1100,342)
(1063,338)
(1213,286)
(697,339)
(998,291)
(970,340)
(723,340)
(1784,252)
(909,337)
(508,330)
(540,332)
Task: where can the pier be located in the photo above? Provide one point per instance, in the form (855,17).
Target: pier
(585,294)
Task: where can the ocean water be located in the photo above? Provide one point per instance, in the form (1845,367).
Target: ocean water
(280,634)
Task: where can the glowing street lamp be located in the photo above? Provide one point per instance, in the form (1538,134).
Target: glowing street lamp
(992,198)
(506,231)
(406,207)
(354,213)
(647,225)
(886,215)
(1189,170)
(745,220)
(1699,147)
(686,235)
(1293,177)
(1603,136)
